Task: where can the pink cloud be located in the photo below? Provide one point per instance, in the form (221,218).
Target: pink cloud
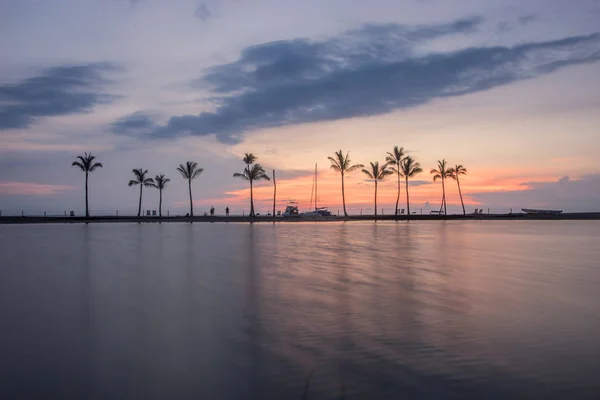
(31,189)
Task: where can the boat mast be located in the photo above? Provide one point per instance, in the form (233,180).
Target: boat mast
(316,194)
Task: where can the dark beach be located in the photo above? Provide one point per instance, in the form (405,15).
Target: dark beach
(419,217)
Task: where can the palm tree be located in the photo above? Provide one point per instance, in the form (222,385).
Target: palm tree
(342,164)
(454,174)
(140,179)
(160,182)
(190,171)
(87,165)
(395,158)
(377,173)
(409,168)
(255,173)
(442,173)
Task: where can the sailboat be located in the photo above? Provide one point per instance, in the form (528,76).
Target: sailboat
(318,211)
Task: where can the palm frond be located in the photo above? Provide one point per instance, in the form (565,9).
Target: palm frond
(243,175)
(368,173)
(354,167)
(197,172)
(132,182)
(96,165)
(78,164)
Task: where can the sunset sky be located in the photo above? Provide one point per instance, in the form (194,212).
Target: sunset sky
(509,89)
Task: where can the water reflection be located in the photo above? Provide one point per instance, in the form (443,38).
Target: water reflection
(386,310)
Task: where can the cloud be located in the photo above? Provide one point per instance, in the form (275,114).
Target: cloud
(565,194)
(31,189)
(369,71)
(202,12)
(56,91)
(136,124)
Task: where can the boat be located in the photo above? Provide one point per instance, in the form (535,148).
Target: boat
(318,211)
(291,210)
(531,211)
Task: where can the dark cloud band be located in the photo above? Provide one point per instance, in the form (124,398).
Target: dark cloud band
(370,71)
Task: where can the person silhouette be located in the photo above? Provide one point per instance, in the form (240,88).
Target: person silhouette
(227,211)
(212,211)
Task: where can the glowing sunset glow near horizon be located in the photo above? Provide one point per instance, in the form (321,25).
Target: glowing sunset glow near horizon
(507,89)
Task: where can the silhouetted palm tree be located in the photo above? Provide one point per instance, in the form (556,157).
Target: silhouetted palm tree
(454,174)
(160,182)
(342,164)
(395,158)
(87,165)
(409,168)
(251,174)
(442,173)
(377,173)
(190,171)
(140,179)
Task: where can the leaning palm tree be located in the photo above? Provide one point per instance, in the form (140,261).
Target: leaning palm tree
(160,182)
(443,172)
(342,164)
(140,179)
(454,174)
(87,165)
(251,174)
(377,173)
(394,159)
(409,168)
(190,171)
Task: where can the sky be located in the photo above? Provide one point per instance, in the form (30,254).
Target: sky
(509,89)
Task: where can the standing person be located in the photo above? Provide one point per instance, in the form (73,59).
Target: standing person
(227,211)
(212,211)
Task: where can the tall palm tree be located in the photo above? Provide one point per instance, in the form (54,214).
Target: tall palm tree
(160,182)
(342,164)
(87,165)
(377,173)
(442,172)
(454,174)
(140,179)
(394,159)
(190,171)
(409,168)
(255,173)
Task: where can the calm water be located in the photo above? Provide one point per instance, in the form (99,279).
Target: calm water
(429,310)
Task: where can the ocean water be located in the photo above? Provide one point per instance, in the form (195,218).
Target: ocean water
(419,310)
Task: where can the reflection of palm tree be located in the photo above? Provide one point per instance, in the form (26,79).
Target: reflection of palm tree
(140,179)
(454,174)
(251,174)
(442,173)
(87,165)
(409,168)
(395,158)
(341,164)
(160,182)
(190,171)
(377,173)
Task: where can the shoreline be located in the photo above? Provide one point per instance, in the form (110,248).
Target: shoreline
(246,219)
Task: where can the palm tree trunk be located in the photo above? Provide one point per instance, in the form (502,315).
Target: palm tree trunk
(344,197)
(460,193)
(87,210)
(251,200)
(398,197)
(140,203)
(407,202)
(191,201)
(375,197)
(444,191)
(160,203)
